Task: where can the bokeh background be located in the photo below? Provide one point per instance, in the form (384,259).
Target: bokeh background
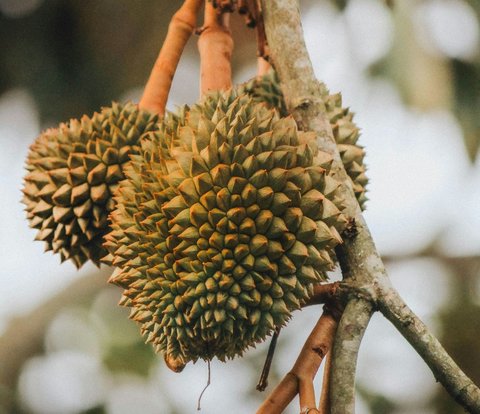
(411,74)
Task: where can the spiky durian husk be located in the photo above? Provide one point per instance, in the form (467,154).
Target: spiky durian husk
(227,218)
(346,133)
(72,172)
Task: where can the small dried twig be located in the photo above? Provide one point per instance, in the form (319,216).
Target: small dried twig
(159,83)
(263,381)
(206,386)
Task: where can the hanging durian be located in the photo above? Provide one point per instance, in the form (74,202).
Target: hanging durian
(346,133)
(72,172)
(227,218)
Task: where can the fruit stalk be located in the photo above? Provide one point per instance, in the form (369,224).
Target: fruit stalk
(158,86)
(215,46)
(305,368)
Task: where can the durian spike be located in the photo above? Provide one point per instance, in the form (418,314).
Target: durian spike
(215,45)
(180,29)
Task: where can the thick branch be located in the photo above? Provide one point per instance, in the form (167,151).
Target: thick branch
(359,259)
(345,352)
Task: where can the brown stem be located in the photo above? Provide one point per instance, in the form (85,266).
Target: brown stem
(262,66)
(323,293)
(262,44)
(181,27)
(305,368)
(306,394)
(324,405)
(215,46)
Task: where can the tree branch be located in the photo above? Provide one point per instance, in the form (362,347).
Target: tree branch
(344,355)
(445,370)
(359,259)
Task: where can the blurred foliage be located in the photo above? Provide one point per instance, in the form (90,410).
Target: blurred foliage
(136,358)
(460,323)
(377,404)
(75,56)
(466,78)
(72,55)
(429,81)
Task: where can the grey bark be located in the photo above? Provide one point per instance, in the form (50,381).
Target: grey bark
(359,259)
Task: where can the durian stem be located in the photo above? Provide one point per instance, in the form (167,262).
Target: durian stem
(305,368)
(323,293)
(215,45)
(306,396)
(158,86)
(324,405)
(262,66)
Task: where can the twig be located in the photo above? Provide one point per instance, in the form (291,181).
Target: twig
(263,381)
(460,387)
(305,368)
(206,386)
(180,29)
(215,46)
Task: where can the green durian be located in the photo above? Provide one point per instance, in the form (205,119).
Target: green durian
(346,133)
(72,173)
(227,218)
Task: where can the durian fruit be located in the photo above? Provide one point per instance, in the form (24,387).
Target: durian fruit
(346,133)
(227,218)
(72,173)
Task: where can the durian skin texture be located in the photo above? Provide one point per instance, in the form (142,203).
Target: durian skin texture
(72,173)
(267,89)
(226,219)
